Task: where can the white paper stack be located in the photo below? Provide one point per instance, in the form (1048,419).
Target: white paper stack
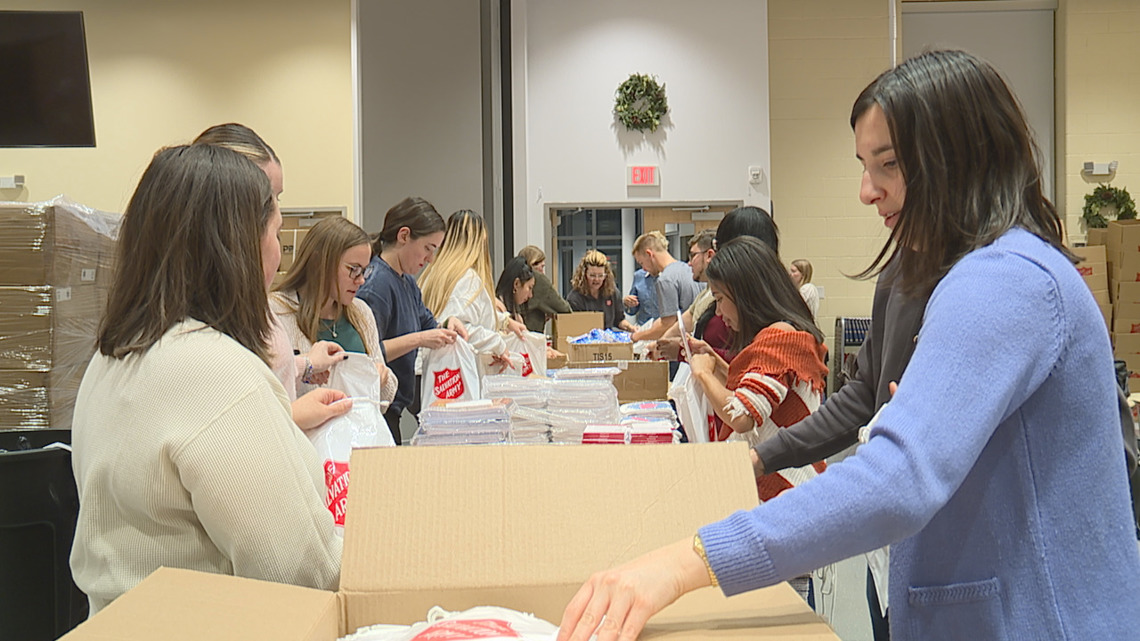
(580,397)
(478,422)
(528,394)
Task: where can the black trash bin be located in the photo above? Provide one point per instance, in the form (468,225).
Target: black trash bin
(38,509)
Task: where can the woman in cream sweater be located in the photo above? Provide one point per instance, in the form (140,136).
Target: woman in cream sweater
(184,450)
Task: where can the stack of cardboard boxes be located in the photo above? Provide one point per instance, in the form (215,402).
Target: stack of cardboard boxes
(1122,255)
(638,380)
(295,224)
(56,262)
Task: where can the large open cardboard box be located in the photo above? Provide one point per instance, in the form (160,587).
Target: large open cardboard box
(519,527)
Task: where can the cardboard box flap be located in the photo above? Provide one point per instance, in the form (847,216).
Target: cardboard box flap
(774,612)
(183,605)
(444,518)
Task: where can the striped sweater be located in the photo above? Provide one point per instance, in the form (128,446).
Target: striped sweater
(777,380)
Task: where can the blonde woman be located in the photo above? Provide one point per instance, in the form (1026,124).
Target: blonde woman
(457,284)
(800,271)
(317,300)
(594,290)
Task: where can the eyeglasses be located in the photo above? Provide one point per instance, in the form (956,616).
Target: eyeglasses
(356,271)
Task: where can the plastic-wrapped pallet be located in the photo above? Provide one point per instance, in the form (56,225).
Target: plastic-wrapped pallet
(56,267)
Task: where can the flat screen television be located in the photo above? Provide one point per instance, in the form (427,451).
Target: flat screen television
(45,86)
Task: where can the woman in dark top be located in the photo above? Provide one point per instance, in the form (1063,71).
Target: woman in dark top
(545,301)
(594,291)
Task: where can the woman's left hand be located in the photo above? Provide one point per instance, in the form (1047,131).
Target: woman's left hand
(703,364)
(617,603)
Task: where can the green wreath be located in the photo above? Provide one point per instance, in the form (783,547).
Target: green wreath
(639,103)
(1106,196)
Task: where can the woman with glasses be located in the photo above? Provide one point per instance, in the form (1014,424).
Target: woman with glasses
(317,300)
(593,290)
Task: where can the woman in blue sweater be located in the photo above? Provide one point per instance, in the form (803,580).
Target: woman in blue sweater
(995,472)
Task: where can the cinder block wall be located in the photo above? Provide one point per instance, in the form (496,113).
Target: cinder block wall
(821,55)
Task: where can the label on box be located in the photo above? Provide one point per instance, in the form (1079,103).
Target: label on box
(87,275)
(336,482)
(63,294)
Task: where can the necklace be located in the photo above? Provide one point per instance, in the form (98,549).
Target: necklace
(330,325)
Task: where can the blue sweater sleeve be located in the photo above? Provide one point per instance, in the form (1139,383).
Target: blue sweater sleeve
(991,335)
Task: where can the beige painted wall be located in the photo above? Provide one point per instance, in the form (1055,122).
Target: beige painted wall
(1099,98)
(821,55)
(162,72)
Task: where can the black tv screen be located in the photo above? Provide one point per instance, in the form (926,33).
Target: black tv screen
(46,96)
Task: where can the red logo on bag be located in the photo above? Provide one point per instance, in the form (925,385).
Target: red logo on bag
(448,384)
(468,629)
(527,368)
(336,482)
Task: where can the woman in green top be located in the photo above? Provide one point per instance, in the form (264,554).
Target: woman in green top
(544,301)
(317,300)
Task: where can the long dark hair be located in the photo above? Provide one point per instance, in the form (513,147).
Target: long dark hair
(748,221)
(742,221)
(190,247)
(751,274)
(968,159)
(239,138)
(417,214)
(516,268)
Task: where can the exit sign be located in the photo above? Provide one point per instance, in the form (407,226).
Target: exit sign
(641,176)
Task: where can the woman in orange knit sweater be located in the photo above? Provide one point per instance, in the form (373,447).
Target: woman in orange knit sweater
(777,376)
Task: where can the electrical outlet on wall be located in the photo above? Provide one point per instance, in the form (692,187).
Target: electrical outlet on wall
(821,294)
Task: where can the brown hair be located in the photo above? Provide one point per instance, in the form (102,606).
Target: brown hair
(750,274)
(241,139)
(803,266)
(968,159)
(313,274)
(417,214)
(190,247)
(593,258)
(532,254)
(704,239)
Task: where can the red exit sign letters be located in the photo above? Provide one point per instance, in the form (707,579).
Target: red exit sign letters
(642,176)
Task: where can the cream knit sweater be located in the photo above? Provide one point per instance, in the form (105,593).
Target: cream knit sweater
(187,456)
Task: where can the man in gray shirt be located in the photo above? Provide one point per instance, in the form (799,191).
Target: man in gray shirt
(675,286)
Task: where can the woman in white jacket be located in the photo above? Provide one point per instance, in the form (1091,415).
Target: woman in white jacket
(457,284)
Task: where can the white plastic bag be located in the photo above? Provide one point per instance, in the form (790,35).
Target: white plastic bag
(531,350)
(362,426)
(483,623)
(450,373)
(693,407)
